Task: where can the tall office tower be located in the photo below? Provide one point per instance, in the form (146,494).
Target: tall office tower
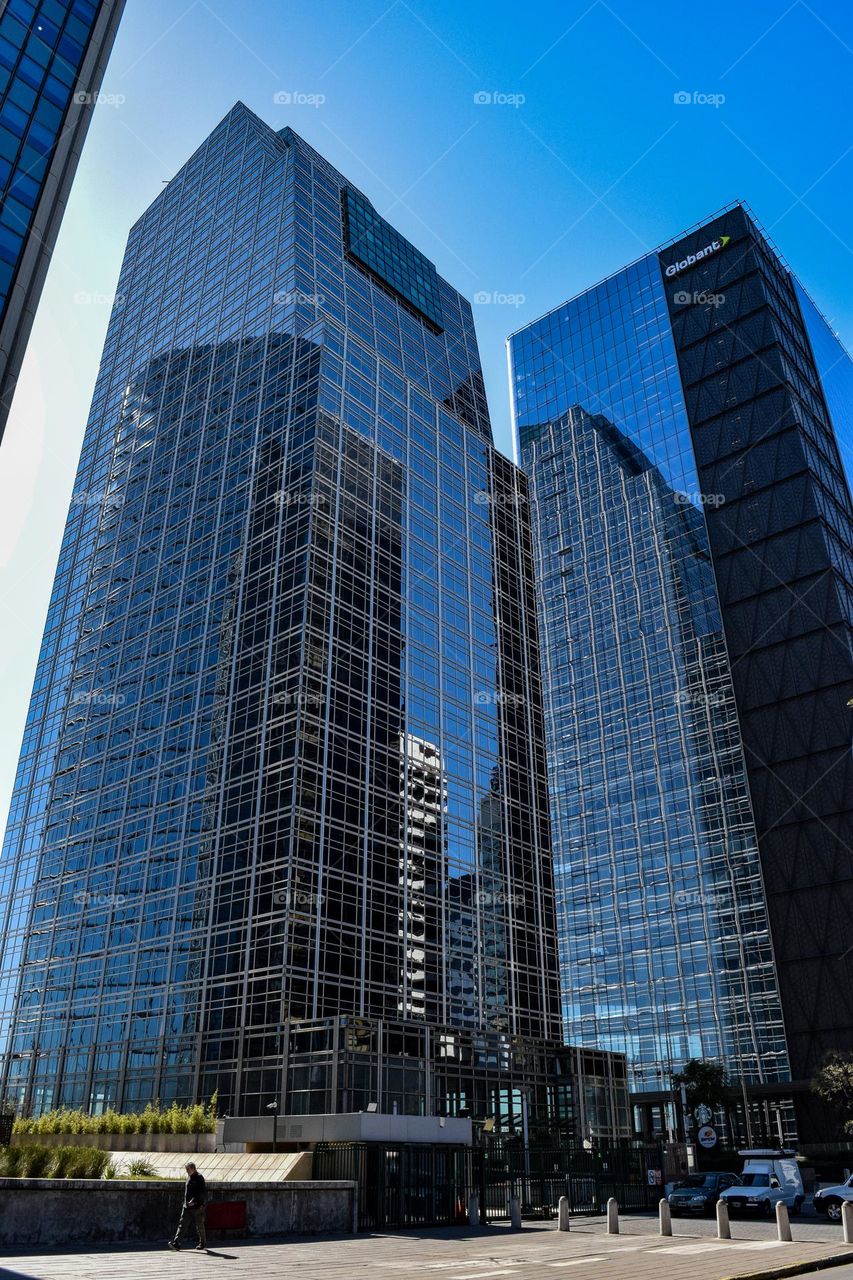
(289,694)
(53,54)
(680,424)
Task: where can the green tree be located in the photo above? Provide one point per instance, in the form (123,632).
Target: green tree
(703,1081)
(833,1084)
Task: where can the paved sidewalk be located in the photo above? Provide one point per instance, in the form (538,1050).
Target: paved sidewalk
(537,1253)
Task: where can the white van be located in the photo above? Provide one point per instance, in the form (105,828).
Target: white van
(768,1177)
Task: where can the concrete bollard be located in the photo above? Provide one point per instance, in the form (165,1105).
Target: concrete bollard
(724,1230)
(563,1223)
(665,1218)
(473,1211)
(847,1221)
(612,1217)
(783,1222)
(515,1213)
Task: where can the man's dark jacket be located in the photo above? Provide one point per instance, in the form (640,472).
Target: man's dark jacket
(195,1192)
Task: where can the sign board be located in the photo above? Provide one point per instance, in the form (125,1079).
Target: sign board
(707,1136)
(655,1177)
(703,1114)
(692,258)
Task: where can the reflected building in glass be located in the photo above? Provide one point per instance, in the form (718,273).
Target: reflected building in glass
(53,54)
(280,827)
(683,426)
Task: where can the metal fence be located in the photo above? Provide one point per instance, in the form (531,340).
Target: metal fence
(429,1185)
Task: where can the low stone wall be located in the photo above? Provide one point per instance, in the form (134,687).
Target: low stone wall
(179,1142)
(60,1212)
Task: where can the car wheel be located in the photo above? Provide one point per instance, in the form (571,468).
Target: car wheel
(798,1204)
(833,1210)
(766,1208)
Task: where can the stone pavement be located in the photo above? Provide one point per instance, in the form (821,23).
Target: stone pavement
(536,1253)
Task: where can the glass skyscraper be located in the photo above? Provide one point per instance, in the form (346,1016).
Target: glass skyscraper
(52,58)
(280,827)
(692,534)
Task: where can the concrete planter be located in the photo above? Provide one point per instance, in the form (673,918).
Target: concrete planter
(205,1142)
(61,1212)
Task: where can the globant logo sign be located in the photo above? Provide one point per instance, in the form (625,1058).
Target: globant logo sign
(714,247)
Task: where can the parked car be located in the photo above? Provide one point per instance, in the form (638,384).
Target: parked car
(768,1177)
(699,1192)
(829,1200)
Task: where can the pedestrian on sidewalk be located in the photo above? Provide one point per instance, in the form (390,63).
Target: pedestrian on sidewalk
(195,1198)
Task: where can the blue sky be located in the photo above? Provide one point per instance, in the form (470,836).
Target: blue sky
(582,160)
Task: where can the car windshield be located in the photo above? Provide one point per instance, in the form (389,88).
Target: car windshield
(756,1179)
(699,1180)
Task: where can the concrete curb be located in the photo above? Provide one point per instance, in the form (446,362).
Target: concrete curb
(794,1268)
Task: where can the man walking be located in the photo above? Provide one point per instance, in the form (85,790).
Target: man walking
(195,1196)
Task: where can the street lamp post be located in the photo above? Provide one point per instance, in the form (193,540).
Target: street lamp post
(273,1107)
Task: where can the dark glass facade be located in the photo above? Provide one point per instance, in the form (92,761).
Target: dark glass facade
(394,262)
(281,822)
(760,371)
(52,58)
(681,869)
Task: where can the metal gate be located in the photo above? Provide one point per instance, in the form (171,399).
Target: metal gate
(409,1185)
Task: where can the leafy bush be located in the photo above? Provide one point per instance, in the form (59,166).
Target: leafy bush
(140,1169)
(33,1161)
(196,1118)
